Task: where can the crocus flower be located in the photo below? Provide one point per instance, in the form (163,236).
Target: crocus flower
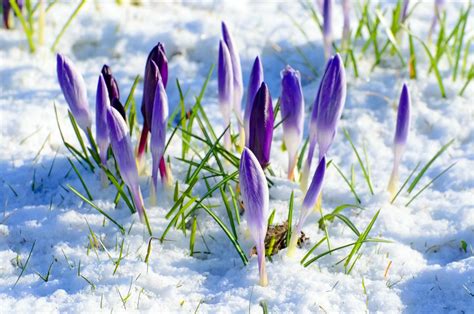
(401,135)
(102,105)
(238,90)
(255,80)
(225,87)
(110,82)
(123,152)
(261,126)
(346,28)
(156,64)
(6,11)
(292,111)
(332,98)
(159,123)
(254,191)
(309,201)
(313,128)
(74,91)
(327,27)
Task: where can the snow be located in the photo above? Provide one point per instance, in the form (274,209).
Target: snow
(423,268)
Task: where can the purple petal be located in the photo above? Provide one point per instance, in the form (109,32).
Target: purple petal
(254,190)
(292,112)
(159,125)
(151,78)
(123,153)
(236,70)
(327,26)
(102,105)
(119,107)
(292,106)
(403,117)
(261,126)
(255,196)
(316,184)
(255,80)
(313,129)
(156,64)
(111,83)
(403,16)
(330,103)
(346,9)
(6,13)
(74,91)
(224,77)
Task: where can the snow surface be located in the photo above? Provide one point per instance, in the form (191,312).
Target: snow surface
(428,270)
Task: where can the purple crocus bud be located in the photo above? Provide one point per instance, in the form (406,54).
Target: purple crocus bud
(313,131)
(401,135)
(238,90)
(110,82)
(156,64)
(309,201)
(438,10)
(74,91)
(225,88)
(346,29)
(330,103)
(254,191)
(102,105)
(292,111)
(404,12)
(159,123)
(327,27)
(255,80)
(123,152)
(261,126)
(6,13)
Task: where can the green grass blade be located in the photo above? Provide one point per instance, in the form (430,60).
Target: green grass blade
(82,197)
(425,168)
(68,22)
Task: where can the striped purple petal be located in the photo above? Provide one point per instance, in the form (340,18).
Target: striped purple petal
(159,125)
(123,153)
(255,197)
(330,103)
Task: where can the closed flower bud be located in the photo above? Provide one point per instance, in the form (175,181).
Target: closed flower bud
(111,83)
(74,91)
(261,126)
(255,197)
(123,152)
(238,86)
(401,135)
(292,112)
(309,201)
(225,87)
(255,80)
